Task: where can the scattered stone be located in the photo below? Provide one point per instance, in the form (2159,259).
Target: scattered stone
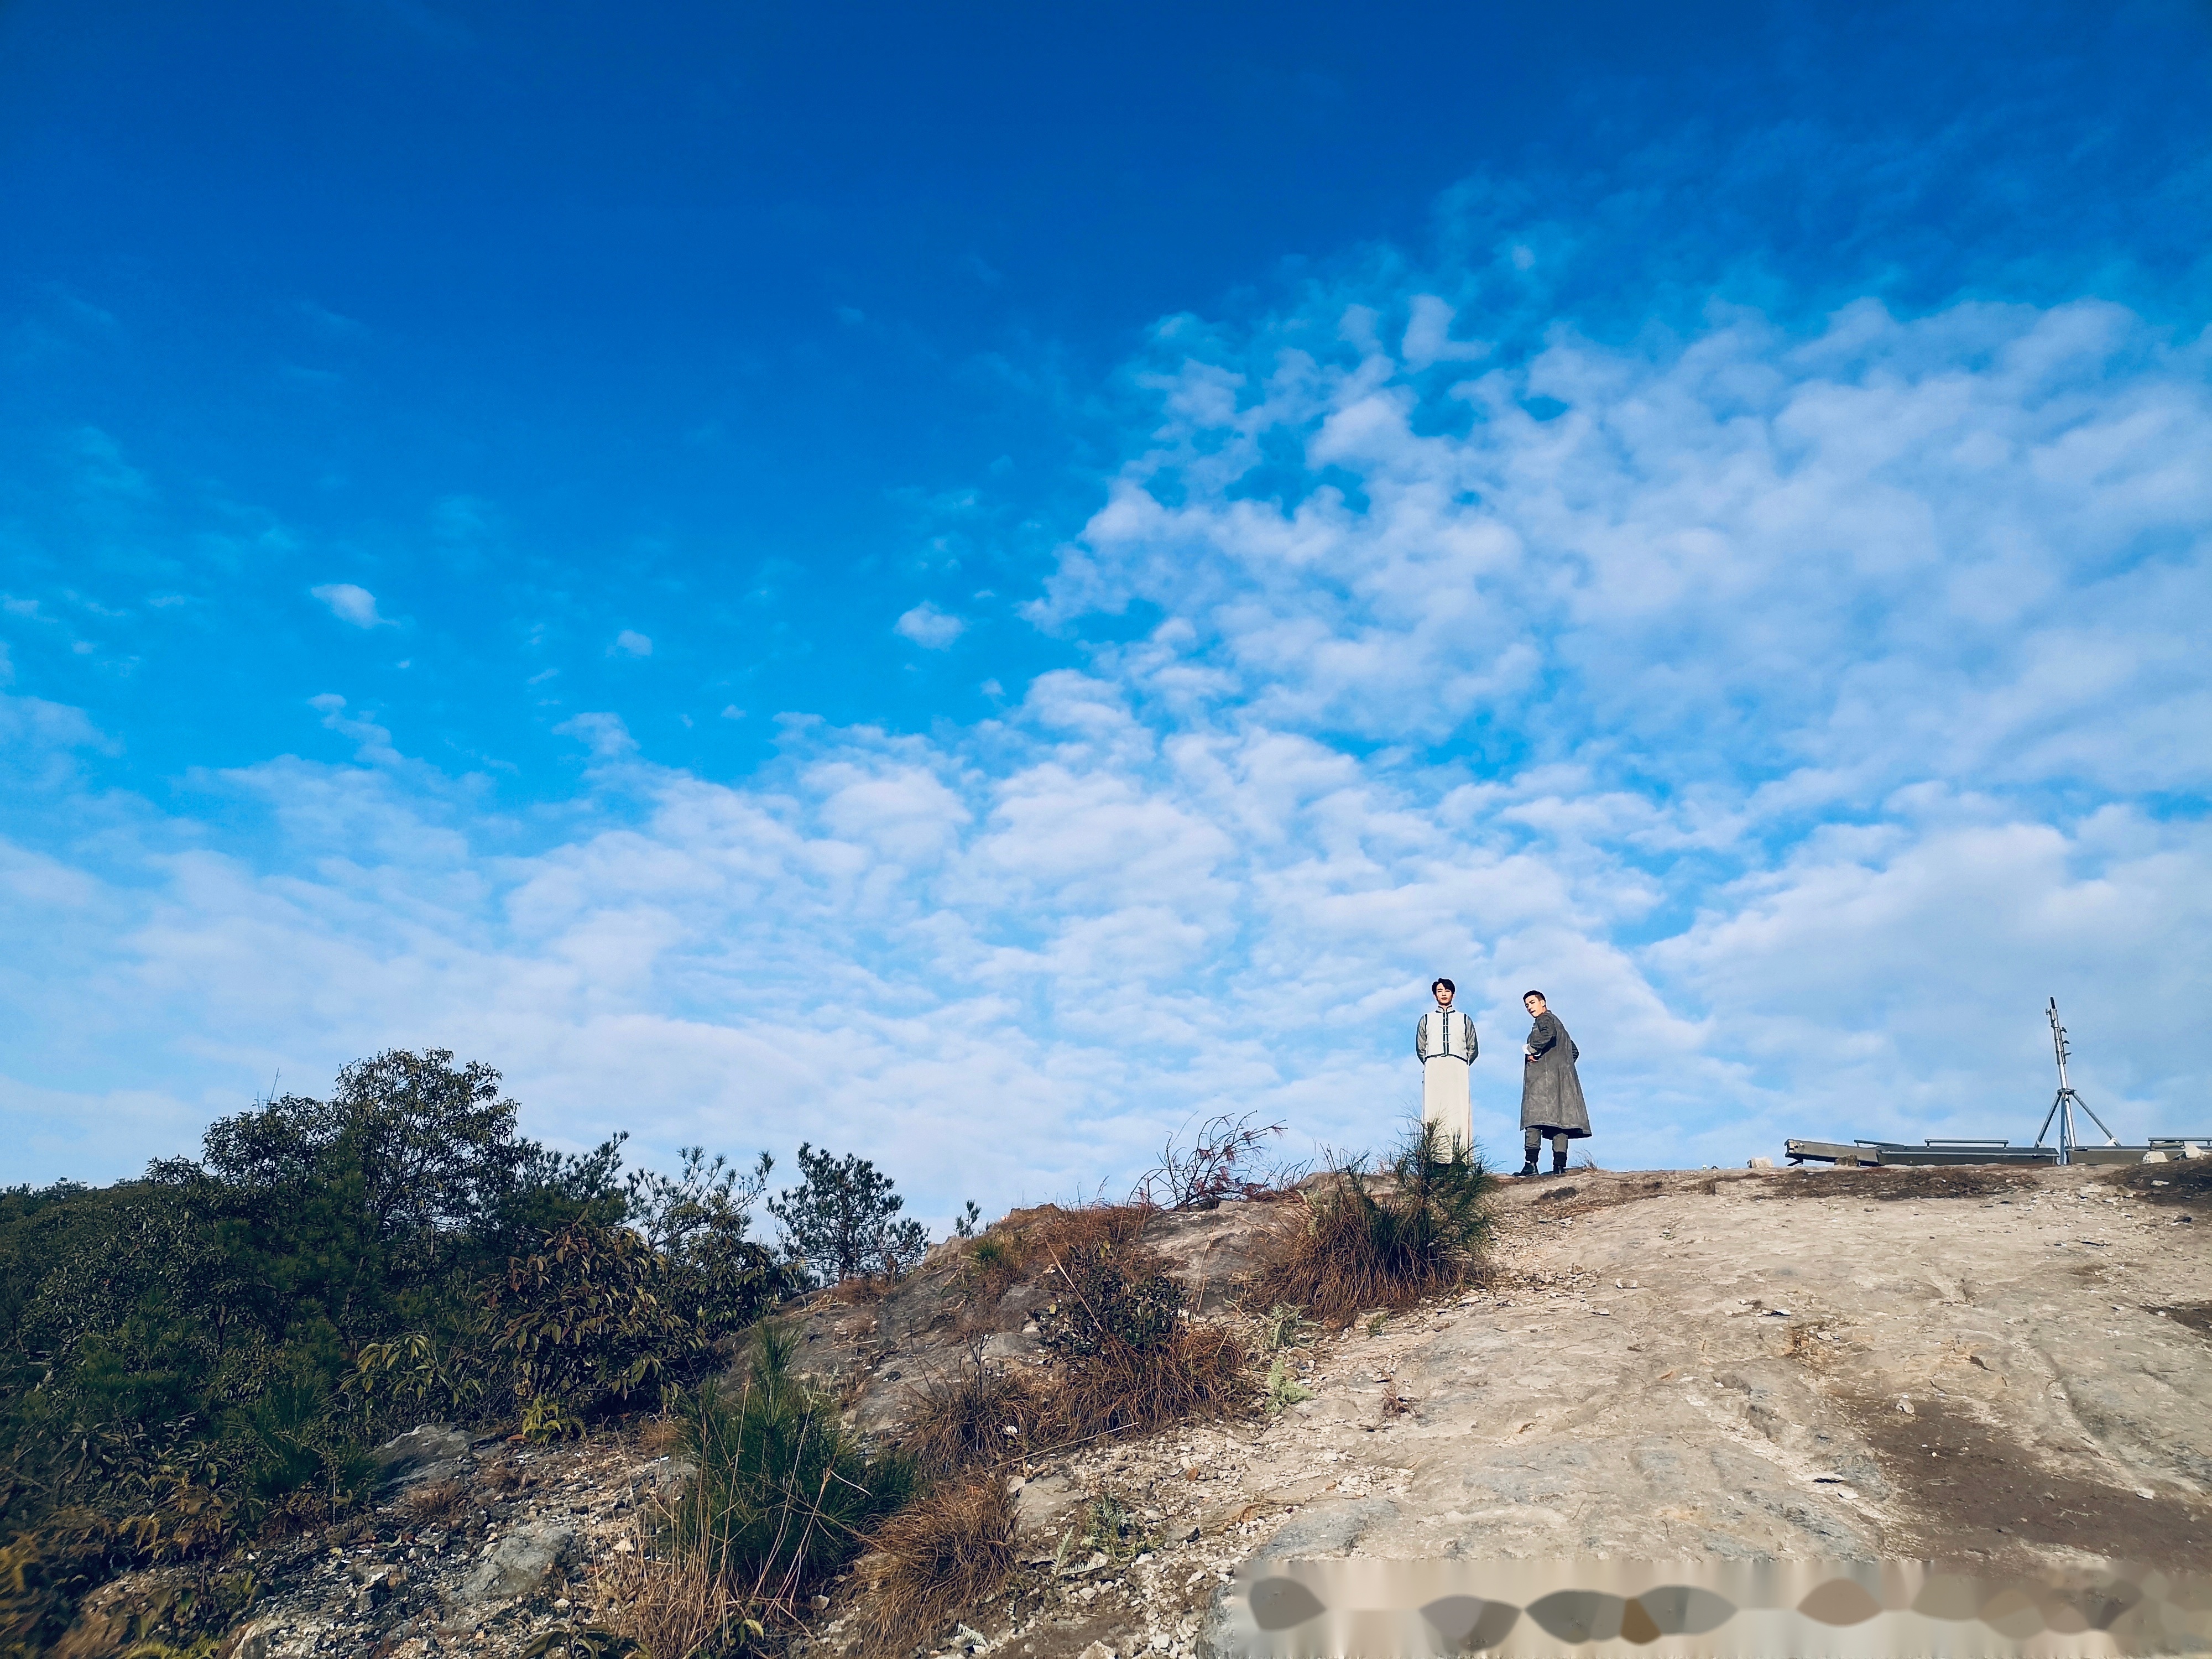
(515,1566)
(434,1451)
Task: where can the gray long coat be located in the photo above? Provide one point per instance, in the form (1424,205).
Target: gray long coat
(1551,1093)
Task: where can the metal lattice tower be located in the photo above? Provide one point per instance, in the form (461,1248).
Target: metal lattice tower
(2062,1106)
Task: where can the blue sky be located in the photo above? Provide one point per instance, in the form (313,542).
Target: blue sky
(969,586)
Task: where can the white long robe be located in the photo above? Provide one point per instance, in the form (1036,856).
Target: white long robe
(1444,1040)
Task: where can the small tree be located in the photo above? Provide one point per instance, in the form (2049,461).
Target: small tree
(841,1220)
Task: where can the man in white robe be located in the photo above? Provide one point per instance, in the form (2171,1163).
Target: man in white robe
(1444,1040)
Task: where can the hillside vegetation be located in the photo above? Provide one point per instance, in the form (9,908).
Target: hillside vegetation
(207,1352)
(207,1358)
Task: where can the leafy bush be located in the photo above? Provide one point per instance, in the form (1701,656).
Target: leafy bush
(1360,1243)
(1109,1298)
(599,1317)
(782,1493)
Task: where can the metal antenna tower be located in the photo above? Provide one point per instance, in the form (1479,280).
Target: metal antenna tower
(2062,1108)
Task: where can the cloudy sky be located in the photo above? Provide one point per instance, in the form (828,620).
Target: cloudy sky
(968,586)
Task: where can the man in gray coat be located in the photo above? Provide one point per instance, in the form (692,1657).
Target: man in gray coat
(1551,1092)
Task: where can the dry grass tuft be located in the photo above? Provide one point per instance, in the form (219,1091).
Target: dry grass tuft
(1130,1355)
(672,1607)
(942,1554)
(1359,1241)
(432,1502)
(960,1420)
(506,1476)
(1050,1232)
(1023,1242)
(995,1262)
(1198,1372)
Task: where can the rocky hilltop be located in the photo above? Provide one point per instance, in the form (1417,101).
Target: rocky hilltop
(2002,1365)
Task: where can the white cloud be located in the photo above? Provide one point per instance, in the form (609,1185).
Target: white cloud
(376,742)
(930,628)
(1428,336)
(630,643)
(1798,712)
(350,603)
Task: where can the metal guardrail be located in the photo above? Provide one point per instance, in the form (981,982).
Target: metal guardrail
(1896,1154)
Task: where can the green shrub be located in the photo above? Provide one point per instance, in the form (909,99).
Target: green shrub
(1110,1298)
(586,1322)
(1285,1325)
(781,1493)
(1285,1390)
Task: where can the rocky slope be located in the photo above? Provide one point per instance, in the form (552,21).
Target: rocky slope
(2007,1366)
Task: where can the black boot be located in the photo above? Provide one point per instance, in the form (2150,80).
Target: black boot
(1559,1160)
(1529,1168)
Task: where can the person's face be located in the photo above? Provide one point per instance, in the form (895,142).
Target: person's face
(1533,1005)
(1443,996)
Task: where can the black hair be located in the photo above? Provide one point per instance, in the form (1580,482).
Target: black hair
(1539,996)
(1446,983)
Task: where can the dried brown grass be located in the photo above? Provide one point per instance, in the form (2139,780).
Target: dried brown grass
(939,1556)
(1198,1372)
(505,1477)
(959,1419)
(1050,1232)
(1359,1241)
(995,1263)
(432,1502)
(1119,1364)
(1024,1243)
(673,1608)
(1130,1356)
